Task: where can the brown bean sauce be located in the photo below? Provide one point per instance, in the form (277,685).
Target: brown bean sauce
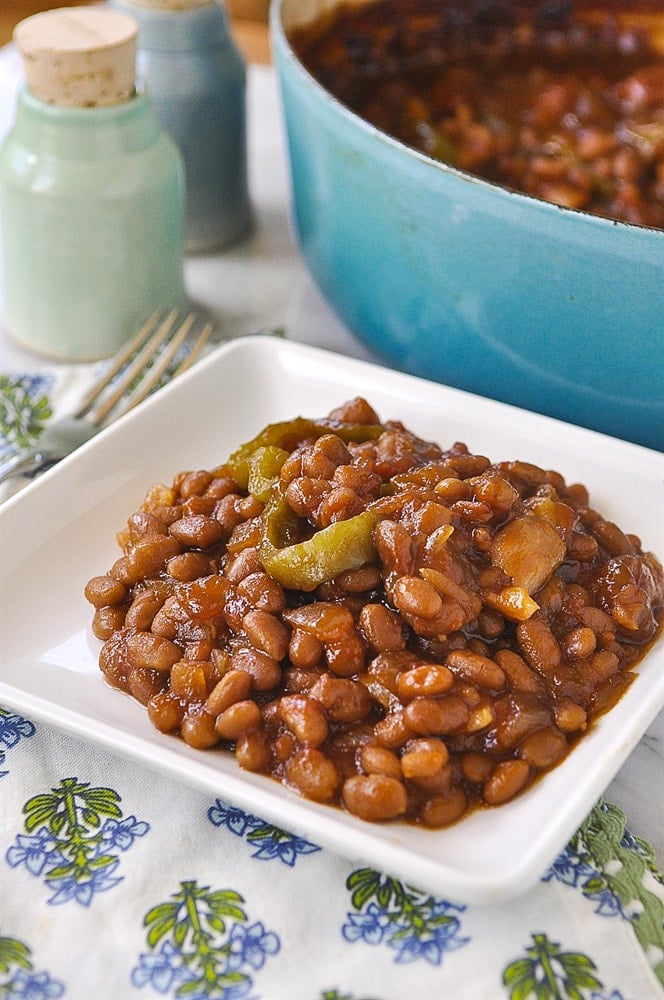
(377,622)
(567,110)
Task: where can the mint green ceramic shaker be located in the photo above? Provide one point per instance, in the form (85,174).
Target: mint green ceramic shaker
(91,191)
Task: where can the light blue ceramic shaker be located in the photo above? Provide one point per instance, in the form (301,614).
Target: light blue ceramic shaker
(91,191)
(196,78)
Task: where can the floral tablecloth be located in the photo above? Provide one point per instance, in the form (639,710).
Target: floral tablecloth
(116,882)
(120,883)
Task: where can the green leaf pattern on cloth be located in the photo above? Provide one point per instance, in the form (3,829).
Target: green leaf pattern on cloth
(25,408)
(617,871)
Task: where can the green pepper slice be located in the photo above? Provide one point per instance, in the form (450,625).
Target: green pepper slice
(288,434)
(341,546)
(264,466)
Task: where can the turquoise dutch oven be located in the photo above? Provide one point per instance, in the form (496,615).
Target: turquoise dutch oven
(462,281)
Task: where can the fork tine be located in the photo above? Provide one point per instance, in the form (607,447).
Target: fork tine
(156,371)
(118,362)
(135,368)
(153,373)
(196,349)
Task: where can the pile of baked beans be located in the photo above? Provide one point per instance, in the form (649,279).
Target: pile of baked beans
(565,109)
(378,623)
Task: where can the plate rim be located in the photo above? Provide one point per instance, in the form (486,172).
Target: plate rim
(505,884)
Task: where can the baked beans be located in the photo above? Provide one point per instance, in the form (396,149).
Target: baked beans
(426,646)
(567,108)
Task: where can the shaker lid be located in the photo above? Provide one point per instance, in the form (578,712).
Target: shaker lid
(79,56)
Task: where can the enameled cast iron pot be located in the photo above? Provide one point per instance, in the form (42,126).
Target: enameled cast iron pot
(459,280)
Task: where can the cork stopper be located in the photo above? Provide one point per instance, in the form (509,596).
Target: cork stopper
(79,56)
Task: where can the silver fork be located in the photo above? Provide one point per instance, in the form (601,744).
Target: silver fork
(133,373)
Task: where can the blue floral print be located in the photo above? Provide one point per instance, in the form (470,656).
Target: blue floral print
(13,729)
(69,846)
(270,842)
(413,923)
(18,978)
(207,950)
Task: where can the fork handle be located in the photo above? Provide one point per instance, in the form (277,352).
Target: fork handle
(26,463)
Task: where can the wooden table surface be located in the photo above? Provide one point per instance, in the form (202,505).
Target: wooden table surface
(248,19)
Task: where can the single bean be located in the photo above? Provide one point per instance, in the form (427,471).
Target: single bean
(603,664)
(413,595)
(339,504)
(237,719)
(517,671)
(143,608)
(436,716)
(539,645)
(144,684)
(106,621)
(579,643)
(198,730)
(374,797)
(476,767)
(570,717)
(198,505)
(305,650)
(165,711)
(479,670)
(188,566)
(359,581)
(104,590)
(543,748)
(267,633)
(426,679)
(264,670)
(393,731)
(241,566)
(151,652)
(194,483)
(142,523)
(221,485)
(347,657)
(305,717)
(253,751)
(424,758)
(168,618)
(507,780)
(343,699)
(226,512)
(313,774)
(394,547)
(375,759)
(443,810)
(198,530)
(234,686)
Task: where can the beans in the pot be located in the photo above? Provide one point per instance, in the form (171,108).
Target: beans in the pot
(537,97)
(425,642)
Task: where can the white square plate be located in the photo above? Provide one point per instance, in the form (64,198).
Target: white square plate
(61,529)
